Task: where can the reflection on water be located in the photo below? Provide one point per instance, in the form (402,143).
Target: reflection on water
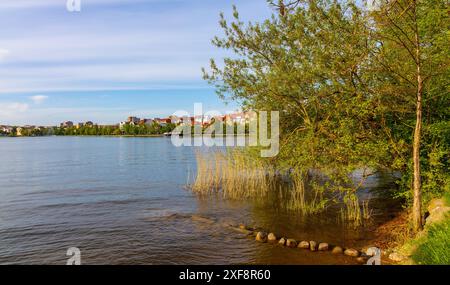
(122,201)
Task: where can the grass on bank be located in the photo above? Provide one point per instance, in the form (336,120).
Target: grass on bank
(435,247)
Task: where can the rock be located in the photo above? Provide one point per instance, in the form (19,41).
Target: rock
(261,237)
(337,250)
(202,219)
(243,231)
(323,246)
(312,245)
(242,226)
(304,244)
(436,215)
(291,242)
(397,257)
(282,241)
(351,252)
(434,204)
(362,259)
(272,237)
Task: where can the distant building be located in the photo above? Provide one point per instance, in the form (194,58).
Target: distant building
(134,120)
(146,122)
(122,125)
(19,131)
(67,124)
(6,129)
(163,122)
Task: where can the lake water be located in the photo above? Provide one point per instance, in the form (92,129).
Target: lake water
(124,201)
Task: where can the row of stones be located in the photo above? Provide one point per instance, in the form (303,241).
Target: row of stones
(311,245)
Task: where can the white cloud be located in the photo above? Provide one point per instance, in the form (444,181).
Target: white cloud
(3,53)
(12,108)
(38,99)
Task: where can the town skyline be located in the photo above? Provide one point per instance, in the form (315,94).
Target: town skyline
(57,65)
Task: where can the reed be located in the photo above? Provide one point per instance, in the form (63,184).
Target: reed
(354,212)
(303,201)
(232,174)
(236,175)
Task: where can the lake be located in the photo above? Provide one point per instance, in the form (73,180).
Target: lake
(124,201)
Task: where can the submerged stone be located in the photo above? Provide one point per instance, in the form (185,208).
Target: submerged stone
(313,245)
(261,237)
(272,237)
(304,244)
(351,252)
(291,242)
(337,250)
(323,246)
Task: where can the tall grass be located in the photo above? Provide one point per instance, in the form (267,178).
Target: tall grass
(435,248)
(301,200)
(234,174)
(354,211)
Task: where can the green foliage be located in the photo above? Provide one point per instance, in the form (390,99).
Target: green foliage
(344,81)
(130,130)
(434,249)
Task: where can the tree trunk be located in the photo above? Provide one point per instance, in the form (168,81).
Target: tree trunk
(417,204)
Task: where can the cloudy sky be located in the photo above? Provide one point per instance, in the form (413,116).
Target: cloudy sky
(112,59)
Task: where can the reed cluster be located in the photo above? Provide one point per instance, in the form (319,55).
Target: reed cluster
(232,174)
(235,174)
(354,211)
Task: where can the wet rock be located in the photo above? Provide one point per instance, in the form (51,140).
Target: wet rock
(323,246)
(397,257)
(291,242)
(312,245)
(337,250)
(362,259)
(304,244)
(242,231)
(242,227)
(351,252)
(261,237)
(282,241)
(271,237)
(198,218)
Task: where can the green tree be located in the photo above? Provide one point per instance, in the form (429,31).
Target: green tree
(412,63)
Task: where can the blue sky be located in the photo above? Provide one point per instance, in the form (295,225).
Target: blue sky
(113,59)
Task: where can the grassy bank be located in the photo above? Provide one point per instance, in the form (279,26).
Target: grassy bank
(432,245)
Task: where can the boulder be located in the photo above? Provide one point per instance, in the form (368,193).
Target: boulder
(397,257)
(304,244)
(282,241)
(337,250)
(291,242)
(312,245)
(261,237)
(323,246)
(362,260)
(351,252)
(271,237)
